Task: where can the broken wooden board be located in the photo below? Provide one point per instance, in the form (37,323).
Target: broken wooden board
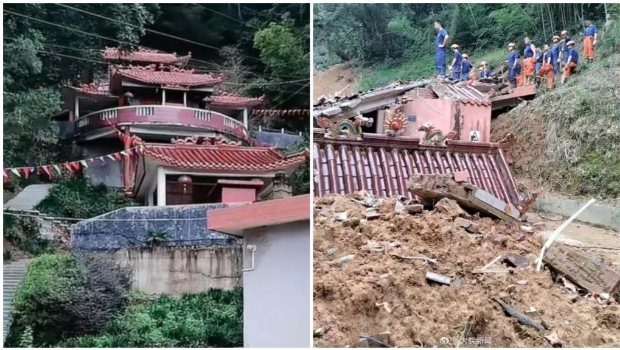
(582,270)
(434,187)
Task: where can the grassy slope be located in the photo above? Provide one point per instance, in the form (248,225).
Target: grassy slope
(568,140)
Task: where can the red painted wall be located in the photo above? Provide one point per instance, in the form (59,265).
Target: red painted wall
(238,195)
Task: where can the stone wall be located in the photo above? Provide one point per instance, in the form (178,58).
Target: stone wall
(131,227)
(178,270)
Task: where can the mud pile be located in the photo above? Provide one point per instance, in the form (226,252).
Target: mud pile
(380,289)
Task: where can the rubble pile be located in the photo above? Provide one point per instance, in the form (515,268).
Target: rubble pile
(388,270)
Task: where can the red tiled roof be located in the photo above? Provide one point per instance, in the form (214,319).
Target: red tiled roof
(232,100)
(142,55)
(223,157)
(93,89)
(234,220)
(177,77)
(383,165)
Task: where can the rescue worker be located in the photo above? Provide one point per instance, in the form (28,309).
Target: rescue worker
(440,49)
(455,67)
(572,59)
(529,62)
(486,72)
(589,42)
(513,60)
(539,59)
(564,51)
(547,69)
(465,67)
(555,54)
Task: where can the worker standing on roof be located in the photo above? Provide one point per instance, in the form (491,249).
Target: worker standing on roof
(564,51)
(540,55)
(529,62)
(465,67)
(555,55)
(486,72)
(547,68)
(440,49)
(589,42)
(513,59)
(457,61)
(571,61)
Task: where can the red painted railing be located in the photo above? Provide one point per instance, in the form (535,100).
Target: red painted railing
(159,114)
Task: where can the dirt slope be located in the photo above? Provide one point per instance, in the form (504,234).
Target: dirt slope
(348,298)
(339,78)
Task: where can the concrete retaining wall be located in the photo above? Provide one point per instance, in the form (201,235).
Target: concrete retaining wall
(596,213)
(178,270)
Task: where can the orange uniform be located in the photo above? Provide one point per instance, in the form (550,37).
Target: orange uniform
(547,70)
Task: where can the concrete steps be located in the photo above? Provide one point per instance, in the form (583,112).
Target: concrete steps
(12,276)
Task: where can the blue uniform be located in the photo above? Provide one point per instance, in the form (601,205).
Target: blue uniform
(574,56)
(456,69)
(512,73)
(486,73)
(440,53)
(591,30)
(539,61)
(555,54)
(565,49)
(527,53)
(466,67)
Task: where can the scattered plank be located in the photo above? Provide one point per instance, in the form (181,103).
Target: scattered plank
(583,271)
(434,187)
(524,320)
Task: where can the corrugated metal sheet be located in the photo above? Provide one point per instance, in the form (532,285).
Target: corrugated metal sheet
(463,93)
(383,165)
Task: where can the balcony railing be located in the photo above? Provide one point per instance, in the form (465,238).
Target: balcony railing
(161,114)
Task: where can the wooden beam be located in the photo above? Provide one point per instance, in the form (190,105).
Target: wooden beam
(582,270)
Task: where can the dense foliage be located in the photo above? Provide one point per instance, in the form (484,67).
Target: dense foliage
(300,179)
(67,295)
(389,34)
(211,319)
(73,197)
(21,234)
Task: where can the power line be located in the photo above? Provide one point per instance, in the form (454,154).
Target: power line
(227,16)
(158,32)
(106,63)
(293,94)
(81,31)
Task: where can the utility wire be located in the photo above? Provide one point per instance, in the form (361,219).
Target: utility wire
(106,63)
(85,33)
(161,33)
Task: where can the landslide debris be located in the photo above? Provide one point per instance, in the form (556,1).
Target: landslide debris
(366,281)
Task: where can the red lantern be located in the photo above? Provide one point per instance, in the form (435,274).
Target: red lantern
(185,181)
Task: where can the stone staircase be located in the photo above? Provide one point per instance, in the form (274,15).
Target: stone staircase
(12,276)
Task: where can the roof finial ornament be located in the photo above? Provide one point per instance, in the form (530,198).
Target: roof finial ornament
(395,123)
(345,129)
(434,137)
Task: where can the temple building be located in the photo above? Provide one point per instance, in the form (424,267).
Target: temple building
(184,142)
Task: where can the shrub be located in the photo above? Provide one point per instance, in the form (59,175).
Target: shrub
(24,234)
(75,198)
(66,295)
(212,319)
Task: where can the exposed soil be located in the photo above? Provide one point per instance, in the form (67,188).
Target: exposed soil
(348,297)
(340,78)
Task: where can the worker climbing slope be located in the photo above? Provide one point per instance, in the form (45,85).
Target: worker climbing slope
(457,61)
(555,55)
(547,69)
(440,49)
(589,42)
(571,61)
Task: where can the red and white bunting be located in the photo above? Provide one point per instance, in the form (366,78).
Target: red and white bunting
(71,167)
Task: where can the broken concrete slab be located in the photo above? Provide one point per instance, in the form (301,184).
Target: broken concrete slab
(469,226)
(585,272)
(434,187)
(415,209)
(515,260)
